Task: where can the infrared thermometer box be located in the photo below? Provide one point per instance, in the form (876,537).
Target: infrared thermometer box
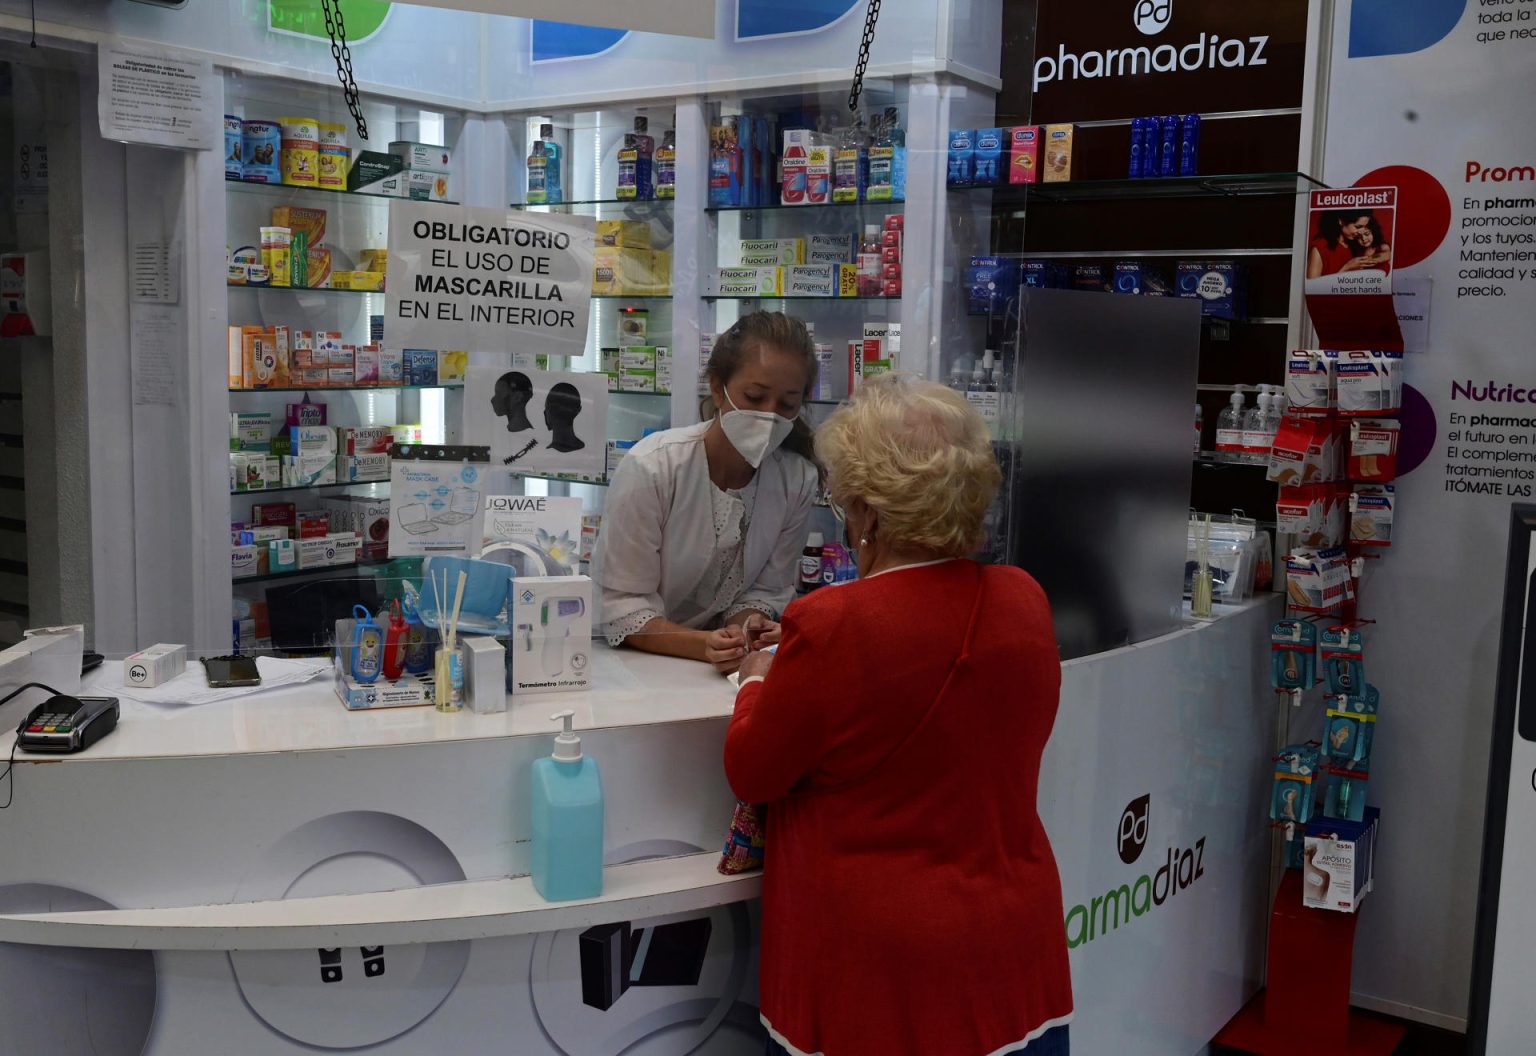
(551,646)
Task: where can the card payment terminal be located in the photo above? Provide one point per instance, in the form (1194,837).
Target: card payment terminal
(67,724)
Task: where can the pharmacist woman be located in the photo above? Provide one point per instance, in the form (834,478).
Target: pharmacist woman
(704,525)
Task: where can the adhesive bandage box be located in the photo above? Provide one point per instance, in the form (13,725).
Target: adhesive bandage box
(1309,381)
(150,667)
(1369,383)
(1339,862)
(551,646)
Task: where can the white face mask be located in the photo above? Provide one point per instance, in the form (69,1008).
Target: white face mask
(754,434)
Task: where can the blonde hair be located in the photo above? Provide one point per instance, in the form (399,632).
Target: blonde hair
(920,456)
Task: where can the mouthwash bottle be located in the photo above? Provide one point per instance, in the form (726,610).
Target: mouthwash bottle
(882,162)
(666,165)
(538,174)
(635,164)
(898,139)
(850,165)
(554,170)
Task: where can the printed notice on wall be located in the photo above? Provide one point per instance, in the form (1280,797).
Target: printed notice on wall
(150,95)
(488,280)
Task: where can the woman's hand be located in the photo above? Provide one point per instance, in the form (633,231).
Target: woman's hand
(725,648)
(756,665)
(761,631)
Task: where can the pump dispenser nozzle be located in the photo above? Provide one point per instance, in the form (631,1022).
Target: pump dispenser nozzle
(567,744)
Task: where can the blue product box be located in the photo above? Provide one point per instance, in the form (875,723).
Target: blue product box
(1140,141)
(989,166)
(1221,286)
(1339,862)
(420,366)
(962,156)
(1135,277)
(991,282)
(1044,275)
(1189,145)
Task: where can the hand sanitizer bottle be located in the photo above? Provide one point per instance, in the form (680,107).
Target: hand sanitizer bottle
(1229,429)
(566,858)
(1255,442)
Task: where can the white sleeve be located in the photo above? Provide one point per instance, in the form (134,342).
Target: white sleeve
(626,563)
(775,585)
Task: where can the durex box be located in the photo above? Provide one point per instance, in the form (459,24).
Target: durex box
(551,649)
(1024,154)
(987,167)
(1060,157)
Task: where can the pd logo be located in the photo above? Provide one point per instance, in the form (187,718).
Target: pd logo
(1152,17)
(1131,840)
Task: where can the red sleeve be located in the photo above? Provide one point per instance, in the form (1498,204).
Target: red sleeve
(777,734)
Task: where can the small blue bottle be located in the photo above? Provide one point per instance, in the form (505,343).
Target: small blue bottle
(1189,146)
(1168,147)
(1139,139)
(567,812)
(554,174)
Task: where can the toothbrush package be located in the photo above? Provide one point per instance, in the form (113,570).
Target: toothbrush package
(1293,654)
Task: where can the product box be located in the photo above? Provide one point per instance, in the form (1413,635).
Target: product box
(642,357)
(1373,449)
(406,691)
(244,561)
(250,431)
(831,249)
(617,449)
(366,370)
(749,282)
(451,367)
(367,518)
(275,513)
(551,648)
(818,175)
(364,281)
(663,369)
(312,378)
(727,165)
(1305,451)
(1136,277)
(302,471)
(1370,514)
(327,345)
(636,272)
(821,280)
(1060,158)
(1369,383)
(1089,277)
(427,186)
(150,667)
(1309,381)
(391,367)
(1339,862)
(771,252)
(303,413)
(420,366)
(641,380)
(364,439)
(1221,287)
(991,282)
(302,352)
(1313,513)
(424,157)
(1024,154)
(312,524)
(633,326)
(258,351)
(485,674)
(875,354)
(1318,580)
(962,157)
(608,360)
(624,234)
(1045,274)
(376,173)
(591,527)
(988,167)
(301,220)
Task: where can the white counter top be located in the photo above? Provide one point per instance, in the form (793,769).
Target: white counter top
(633,689)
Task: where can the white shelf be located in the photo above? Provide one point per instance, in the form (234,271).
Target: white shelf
(476,909)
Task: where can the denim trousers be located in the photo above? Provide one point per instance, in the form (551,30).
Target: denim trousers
(1052,1043)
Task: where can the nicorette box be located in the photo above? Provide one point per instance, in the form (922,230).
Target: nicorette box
(551,646)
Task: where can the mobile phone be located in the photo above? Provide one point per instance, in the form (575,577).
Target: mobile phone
(228,671)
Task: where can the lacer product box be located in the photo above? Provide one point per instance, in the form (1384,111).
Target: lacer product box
(771,252)
(150,667)
(551,647)
(821,280)
(749,282)
(1339,862)
(1060,158)
(1024,154)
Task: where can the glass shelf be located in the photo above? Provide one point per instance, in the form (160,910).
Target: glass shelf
(895,203)
(598,203)
(652,395)
(1232,185)
(349,388)
(631,296)
(311,487)
(303,289)
(367,562)
(792,297)
(283,190)
(1223,460)
(558,479)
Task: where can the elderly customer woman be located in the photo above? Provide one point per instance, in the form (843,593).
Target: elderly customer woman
(911,904)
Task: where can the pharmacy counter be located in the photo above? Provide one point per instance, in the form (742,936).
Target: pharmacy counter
(311,878)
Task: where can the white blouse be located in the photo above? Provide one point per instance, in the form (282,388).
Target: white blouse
(676,546)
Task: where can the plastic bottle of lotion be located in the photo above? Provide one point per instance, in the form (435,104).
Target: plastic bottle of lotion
(566,857)
(1229,429)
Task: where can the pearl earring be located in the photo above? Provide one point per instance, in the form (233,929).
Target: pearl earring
(863,540)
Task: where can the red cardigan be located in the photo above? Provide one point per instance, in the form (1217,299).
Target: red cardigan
(911,902)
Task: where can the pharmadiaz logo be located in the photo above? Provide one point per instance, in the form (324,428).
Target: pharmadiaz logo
(1152,17)
(1131,836)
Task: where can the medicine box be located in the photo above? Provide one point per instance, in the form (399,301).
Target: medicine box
(426,187)
(391,367)
(157,664)
(243,561)
(420,366)
(360,468)
(1339,862)
(427,157)
(250,431)
(637,381)
(634,324)
(831,249)
(551,647)
(374,173)
(821,280)
(624,234)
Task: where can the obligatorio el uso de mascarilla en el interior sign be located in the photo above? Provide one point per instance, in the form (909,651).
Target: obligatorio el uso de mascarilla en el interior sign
(461,276)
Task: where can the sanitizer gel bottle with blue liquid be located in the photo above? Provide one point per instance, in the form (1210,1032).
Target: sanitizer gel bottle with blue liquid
(567,807)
